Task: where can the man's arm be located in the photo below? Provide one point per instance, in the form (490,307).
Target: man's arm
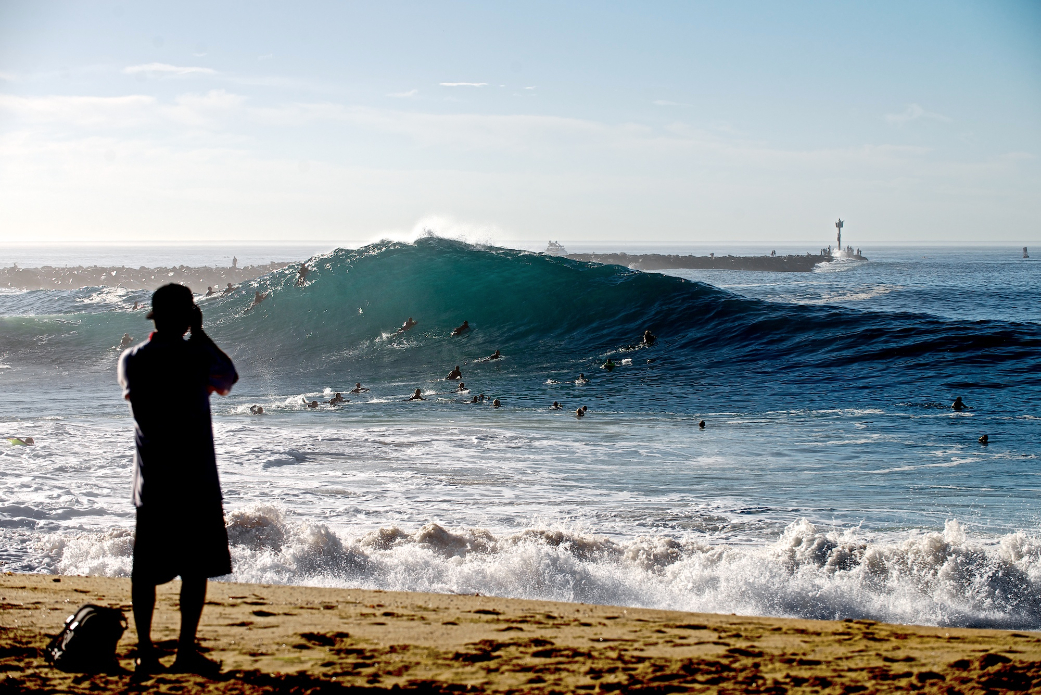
(121,373)
(222,375)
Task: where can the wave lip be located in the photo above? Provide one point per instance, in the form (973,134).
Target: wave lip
(932,578)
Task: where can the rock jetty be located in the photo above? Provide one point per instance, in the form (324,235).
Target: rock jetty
(657,261)
(72,277)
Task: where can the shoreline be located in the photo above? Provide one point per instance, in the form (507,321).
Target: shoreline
(275,638)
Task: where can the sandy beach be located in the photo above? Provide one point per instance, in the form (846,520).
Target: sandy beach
(303,639)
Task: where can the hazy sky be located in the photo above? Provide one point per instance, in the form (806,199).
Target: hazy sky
(675,123)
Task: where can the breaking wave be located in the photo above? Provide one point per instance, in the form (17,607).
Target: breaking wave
(927,578)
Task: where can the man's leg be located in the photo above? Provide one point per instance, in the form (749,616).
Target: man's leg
(193,596)
(142,593)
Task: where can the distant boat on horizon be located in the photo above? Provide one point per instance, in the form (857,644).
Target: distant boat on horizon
(555,249)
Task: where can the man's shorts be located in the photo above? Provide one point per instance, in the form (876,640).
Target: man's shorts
(171,542)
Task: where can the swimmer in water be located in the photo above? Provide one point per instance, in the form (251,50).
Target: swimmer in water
(701,425)
(609,365)
(302,277)
(579,412)
(474,399)
(555,406)
(495,355)
(312,404)
(209,291)
(581,379)
(584,409)
(125,341)
(417,396)
(257,298)
(228,290)
(496,403)
(462,387)
(454,374)
(481,398)
(21,441)
(135,306)
(358,388)
(338,399)
(958,405)
(407,325)
(462,329)
(256,409)
(649,338)
(984,439)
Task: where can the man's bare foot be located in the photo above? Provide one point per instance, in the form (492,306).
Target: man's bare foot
(194,662)
(147,663)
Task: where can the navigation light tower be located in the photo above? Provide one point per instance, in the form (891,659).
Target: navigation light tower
(838,226)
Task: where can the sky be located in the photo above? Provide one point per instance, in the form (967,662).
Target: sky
(515,123)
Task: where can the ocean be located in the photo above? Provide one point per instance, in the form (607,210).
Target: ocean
(831,480)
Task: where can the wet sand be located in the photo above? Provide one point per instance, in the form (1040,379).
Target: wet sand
(302,639)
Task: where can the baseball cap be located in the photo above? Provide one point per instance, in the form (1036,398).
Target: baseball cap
(172,301)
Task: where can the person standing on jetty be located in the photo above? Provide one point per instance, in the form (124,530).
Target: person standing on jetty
(180,517)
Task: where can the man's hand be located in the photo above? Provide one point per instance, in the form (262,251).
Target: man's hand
(196,321)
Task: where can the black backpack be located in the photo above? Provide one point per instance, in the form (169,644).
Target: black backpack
(88,641)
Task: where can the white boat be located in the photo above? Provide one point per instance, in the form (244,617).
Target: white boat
(555,249)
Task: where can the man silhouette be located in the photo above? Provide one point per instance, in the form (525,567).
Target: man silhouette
(180,517)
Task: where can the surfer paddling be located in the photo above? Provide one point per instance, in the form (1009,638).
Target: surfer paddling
(649,338)
(461,329)
(417,396)
(454,374)
(125,341)
(258,297)
(358,388)
(301,278)
(495,355)
(407,326)
(176,490)
(958,404)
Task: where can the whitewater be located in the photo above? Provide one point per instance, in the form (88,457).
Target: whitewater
(832,479)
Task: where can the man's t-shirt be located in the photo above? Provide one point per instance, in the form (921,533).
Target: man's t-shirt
(168,381)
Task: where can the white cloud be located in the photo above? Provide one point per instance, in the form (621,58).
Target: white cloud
(404,95)
(913,113)
(167,69)
(81,111)
(532,87)
(464,84)
(121,112)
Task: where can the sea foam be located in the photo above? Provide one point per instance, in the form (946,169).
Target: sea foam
(928,578)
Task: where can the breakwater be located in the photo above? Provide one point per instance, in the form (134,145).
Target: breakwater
(657,261)
(142,278)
